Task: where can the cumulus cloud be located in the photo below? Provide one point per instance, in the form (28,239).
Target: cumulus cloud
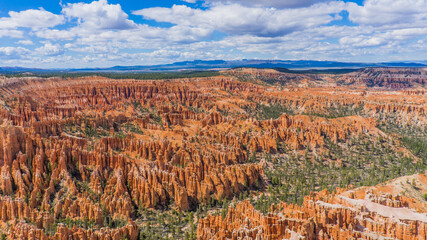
(33,18)
(389,12)
(240,20)
(143,36)
(11,33)
(49,49)
(25,42)
(98,15)
(270,3)
(407,33)
(13,52)
(99,48)
(102,34)
(55,34)
(362,41)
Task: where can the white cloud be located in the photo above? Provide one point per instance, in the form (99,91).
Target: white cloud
(99,48)
(98,15)
(270,3)
(55,34)
(240,20)
(49,49)
(389,12)
(407,33)
(11,33)
(362,41)
(102,34)
(33,18)
(25,42)
(143,36)
(13,52)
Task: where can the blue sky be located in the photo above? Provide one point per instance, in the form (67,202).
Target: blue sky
(103,33)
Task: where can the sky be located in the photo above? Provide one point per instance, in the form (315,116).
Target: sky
(105,33)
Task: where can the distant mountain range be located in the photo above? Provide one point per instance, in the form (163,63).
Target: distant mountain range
(199,65)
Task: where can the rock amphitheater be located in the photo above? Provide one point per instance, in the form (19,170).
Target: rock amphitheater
(93,149)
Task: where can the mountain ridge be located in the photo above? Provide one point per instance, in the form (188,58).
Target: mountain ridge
(222,64)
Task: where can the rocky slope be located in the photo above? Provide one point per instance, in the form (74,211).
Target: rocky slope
(391,78)
(86,157)
(394,210)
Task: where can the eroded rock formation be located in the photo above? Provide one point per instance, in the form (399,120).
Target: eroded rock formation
(96,150)
(365,213)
